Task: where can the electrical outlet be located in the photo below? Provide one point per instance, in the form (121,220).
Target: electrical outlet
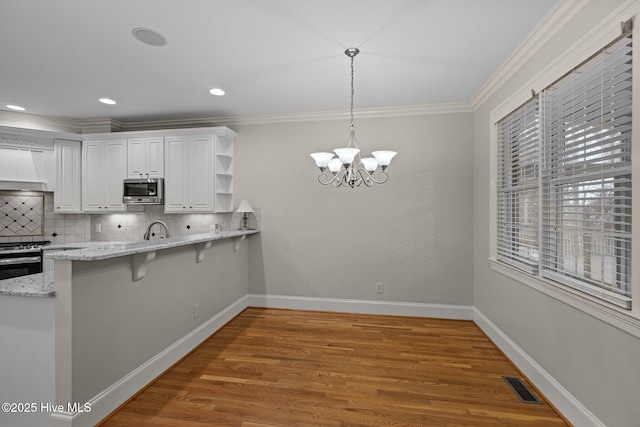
(379,288)
(98,228)
(196,311)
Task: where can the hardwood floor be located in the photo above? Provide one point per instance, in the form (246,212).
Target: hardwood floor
(273,368)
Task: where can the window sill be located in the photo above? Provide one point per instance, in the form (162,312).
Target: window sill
(617,317)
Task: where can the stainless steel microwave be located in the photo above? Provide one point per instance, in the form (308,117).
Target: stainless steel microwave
(143,191)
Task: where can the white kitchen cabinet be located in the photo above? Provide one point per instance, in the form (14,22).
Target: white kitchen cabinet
(176,181)
(104,166)
(196,164)
(68,190)
(189,174)
(145,157)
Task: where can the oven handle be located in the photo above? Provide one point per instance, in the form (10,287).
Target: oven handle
(23,260)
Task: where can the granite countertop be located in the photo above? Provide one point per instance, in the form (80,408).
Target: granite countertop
(94,251)
(33,285)
(42,284)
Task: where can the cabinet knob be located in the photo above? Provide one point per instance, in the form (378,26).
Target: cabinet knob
(147,175)
(140,175)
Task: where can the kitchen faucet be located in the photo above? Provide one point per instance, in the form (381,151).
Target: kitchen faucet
(147,233)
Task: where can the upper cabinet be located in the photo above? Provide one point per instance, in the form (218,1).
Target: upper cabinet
(196,164)
(66,197)
(104,166)
(145,157)
(189,185)
(199,172)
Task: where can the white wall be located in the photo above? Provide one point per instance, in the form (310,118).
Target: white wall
(595,362)
(414,233)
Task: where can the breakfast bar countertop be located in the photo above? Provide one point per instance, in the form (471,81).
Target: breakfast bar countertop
(94,251)
(42,284)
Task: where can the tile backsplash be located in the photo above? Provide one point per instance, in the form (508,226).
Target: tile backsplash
(54,227)
(123,226)
(21,215)
(131,226)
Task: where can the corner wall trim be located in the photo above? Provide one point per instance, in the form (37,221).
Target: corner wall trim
(392,308)
(568,405)
(109,399)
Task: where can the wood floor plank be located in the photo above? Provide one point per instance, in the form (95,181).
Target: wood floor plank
(275,368)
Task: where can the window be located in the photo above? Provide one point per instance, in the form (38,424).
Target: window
(518,183)
(564,179)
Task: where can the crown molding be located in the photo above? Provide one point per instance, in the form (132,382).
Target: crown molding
(583,48)
(108,125)
(98,125)
(56,124)
(35,122)
(409,110)
(561,14)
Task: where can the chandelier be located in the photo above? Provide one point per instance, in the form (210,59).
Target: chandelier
(349,168)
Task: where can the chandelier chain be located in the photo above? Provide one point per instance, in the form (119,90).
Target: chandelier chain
(352,92)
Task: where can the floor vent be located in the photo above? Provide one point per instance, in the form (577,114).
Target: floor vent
(525,395)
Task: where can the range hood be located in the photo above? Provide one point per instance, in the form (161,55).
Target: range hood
(21,169)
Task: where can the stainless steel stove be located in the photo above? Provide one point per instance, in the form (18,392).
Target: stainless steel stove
(20,258)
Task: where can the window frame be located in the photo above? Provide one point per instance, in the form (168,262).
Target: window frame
(597,38)
(579,156)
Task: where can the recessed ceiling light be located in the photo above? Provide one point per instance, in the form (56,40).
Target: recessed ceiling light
(16,107)
(216,92)
(149,36)
(107,101)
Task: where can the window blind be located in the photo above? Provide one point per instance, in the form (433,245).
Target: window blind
(586,176)
(517,186)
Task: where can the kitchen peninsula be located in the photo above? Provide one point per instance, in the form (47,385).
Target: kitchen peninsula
(124,313)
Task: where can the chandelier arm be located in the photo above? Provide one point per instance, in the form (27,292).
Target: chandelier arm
(382,176)
(327,181)
(365,178)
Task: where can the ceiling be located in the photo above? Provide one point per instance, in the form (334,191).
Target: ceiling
(270,56)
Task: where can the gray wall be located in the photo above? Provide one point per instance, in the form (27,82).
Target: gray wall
(26,358)
(118,324)
(414,233)
(597,363)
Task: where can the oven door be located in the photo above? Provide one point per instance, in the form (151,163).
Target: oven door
(15,265)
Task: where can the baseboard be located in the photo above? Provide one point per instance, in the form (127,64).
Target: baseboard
(441,311)
(568,405)
(111,398)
